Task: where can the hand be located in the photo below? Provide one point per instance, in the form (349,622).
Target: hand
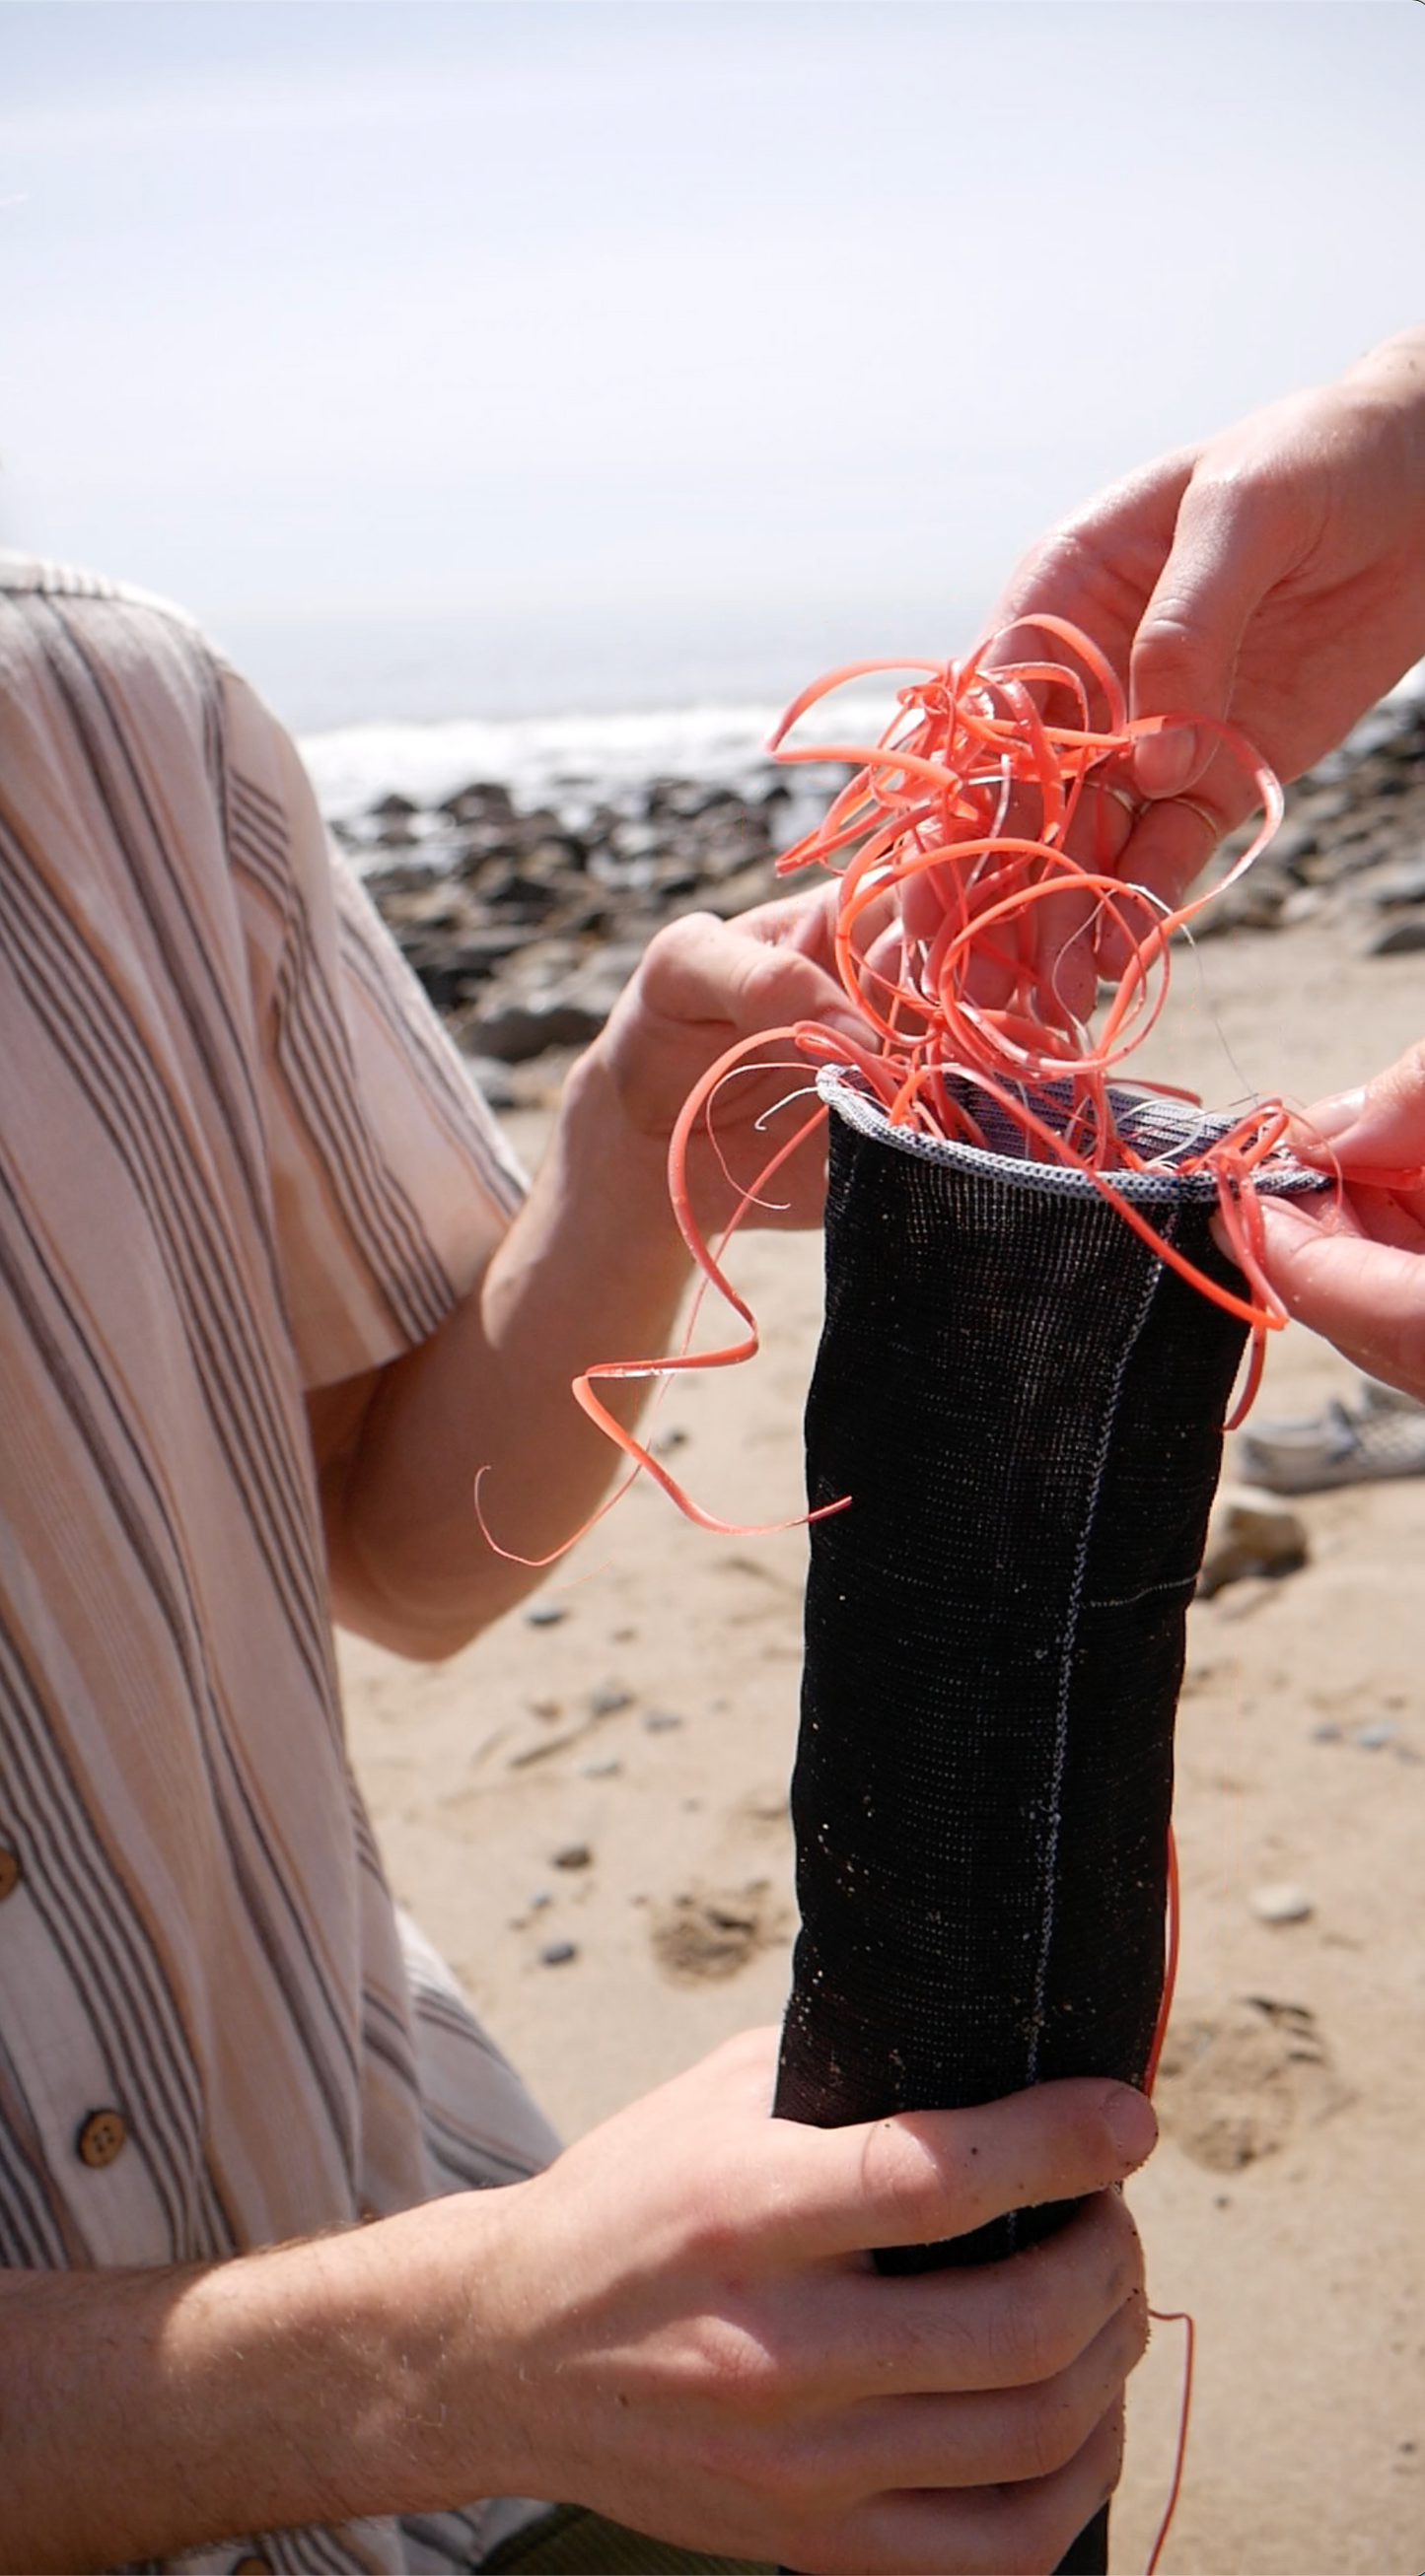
(704,984)
(677,2325)
(1348,1262)
(1273,577)
(674,2324)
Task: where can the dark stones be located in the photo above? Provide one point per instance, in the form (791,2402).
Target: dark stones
(524,926)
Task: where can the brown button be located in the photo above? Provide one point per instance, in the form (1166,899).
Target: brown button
(100,2137)
(12,1870)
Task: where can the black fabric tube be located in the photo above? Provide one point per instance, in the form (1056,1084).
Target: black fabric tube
(1025,1406)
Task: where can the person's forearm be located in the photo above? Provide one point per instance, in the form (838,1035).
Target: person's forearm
(592,1269)
(147,2411)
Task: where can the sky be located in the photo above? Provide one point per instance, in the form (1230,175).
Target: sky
(473,357)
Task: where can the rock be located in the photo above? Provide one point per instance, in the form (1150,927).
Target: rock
(1250,1532)
(395,819)
(545,1614)
(1406,886)
(1256,903)
(514,1031)
(484,801)
(567,1005)
(557,1954)
(609,1699)
(1401,940)
(572,1856)
(1281,1902)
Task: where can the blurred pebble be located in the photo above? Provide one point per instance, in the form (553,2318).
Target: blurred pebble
(540,1899)
(1282,1902)
(607,1701)
(601,1770)
(1371,1738)
(573,1856)
(1329,1733)
(545,1614)
(658,1721)
(555,1954)
(1250,1533)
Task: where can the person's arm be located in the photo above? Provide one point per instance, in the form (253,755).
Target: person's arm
(592,1269)
(1272,577)
(1351,1263)
(674,2325)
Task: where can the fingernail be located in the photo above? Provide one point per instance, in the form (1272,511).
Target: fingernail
(1128,2117)
(1327,1120)
(1164,762)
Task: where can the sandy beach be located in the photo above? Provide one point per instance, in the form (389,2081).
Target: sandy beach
(587,1812)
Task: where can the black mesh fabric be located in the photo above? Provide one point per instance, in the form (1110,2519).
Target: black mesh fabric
(1025,1406)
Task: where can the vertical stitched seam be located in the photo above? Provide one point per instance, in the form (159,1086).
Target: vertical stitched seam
(1066,1667)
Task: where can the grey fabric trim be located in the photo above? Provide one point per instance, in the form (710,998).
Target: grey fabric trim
(1174,1127)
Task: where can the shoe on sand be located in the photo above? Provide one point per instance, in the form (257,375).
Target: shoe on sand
(1337,1446)
(1376,1397)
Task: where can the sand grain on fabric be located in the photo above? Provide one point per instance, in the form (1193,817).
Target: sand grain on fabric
(1283,2204)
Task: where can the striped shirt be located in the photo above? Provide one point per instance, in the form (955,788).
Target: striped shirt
(237,1160)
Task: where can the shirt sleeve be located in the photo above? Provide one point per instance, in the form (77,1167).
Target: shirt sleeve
(391,1181)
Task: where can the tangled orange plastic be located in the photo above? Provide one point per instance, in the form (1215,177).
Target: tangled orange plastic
(951,842)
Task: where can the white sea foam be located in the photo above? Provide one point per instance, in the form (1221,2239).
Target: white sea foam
(575,761)
(563,761)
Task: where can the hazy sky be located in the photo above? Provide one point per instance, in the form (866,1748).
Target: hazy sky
(744,317)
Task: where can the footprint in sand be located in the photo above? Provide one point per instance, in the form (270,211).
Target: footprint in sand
(712,1932)
(1232,2084)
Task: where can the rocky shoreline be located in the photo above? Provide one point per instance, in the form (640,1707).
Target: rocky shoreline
(525,922)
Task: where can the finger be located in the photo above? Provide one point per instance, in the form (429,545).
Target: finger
(1233,541)
(1017,2529)
(925,2175)
(996,2325)
(1170,846)
(984,2437)
(701,970)
(1366,1297)
(1098,567)
(1380,1127)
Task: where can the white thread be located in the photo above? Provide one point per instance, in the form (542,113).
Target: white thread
(1066,1669)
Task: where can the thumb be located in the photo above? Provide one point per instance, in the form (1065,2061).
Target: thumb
(1227,553)
(1376,1133)
(1367,1298)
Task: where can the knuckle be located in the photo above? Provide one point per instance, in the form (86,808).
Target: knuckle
(676,948)
(1027,2335)
(1124,2245)
(795,2482)
(907,2182)
(1049,2430)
